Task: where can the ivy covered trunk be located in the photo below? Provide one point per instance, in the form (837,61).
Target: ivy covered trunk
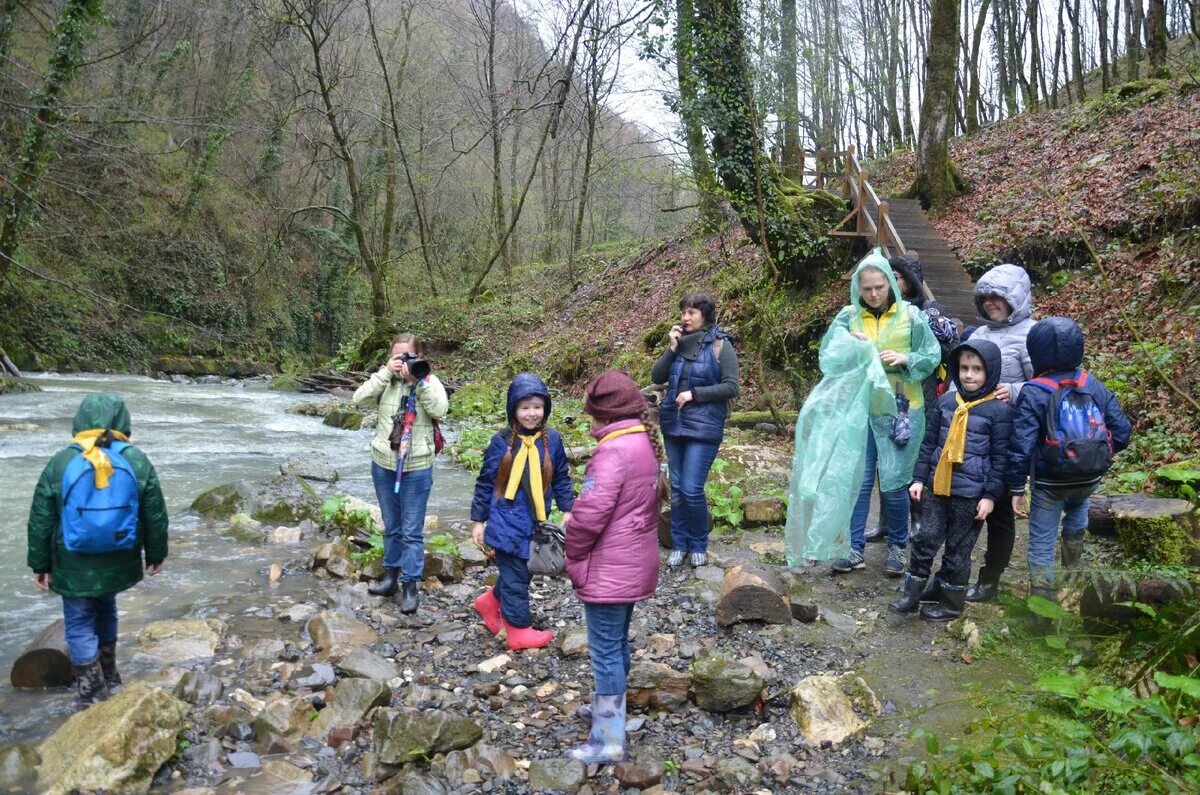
(936,178)
(788,222)
(693,130)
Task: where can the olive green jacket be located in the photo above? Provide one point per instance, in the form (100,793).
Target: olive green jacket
(83,575)
(389,393)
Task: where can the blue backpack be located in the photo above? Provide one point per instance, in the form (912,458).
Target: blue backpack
(1078,444)
(99,520)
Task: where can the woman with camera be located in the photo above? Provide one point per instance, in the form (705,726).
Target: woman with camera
(410,400)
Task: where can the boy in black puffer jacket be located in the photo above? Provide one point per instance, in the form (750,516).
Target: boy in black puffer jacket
(963,460)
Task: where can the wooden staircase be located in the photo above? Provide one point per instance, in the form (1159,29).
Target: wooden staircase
(944,274)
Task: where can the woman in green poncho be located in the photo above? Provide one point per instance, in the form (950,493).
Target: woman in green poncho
(873,359)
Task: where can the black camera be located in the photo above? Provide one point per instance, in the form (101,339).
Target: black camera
(416,365)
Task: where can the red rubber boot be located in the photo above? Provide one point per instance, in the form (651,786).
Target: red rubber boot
(488,606)
(527,637)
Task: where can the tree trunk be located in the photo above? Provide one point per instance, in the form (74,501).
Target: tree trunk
(1156,38)
(973,98)
(793,162)
(892,76)
(1033,15)
(702,170)
(46,661)
(1133,38)
(1102,26)
(935,182)
(1076,48)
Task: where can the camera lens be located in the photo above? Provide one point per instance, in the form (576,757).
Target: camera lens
(419,368)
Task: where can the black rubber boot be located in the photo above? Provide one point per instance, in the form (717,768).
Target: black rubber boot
(1041,624)
(932,593)
(89,679)
(983,591)
(108,664)
(907,603)
(1072,552)
(409,600)
(387,585)
(950,607)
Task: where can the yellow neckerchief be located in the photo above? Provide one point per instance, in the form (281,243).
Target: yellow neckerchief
(527,457)
(95,455)
(956,441)
(622,432)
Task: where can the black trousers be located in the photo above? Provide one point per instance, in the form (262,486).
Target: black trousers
(1001,535)
(948,522)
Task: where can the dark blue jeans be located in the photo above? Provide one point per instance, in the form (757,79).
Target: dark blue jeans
(89,621)
(895,501)
(688,462)
(608,645)
(403,518)
(1047,506)
(512,589)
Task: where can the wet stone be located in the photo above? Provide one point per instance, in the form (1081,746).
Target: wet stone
(557,775)
(314,676)
(644,772)
(199,689)
(738,773)
(368,665)
(722,685)
(244,759)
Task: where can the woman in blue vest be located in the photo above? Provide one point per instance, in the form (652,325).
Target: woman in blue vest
(700,369)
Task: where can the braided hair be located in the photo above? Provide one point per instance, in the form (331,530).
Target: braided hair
(664,482)
(506,463)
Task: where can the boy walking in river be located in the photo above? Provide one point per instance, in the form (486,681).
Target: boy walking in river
(96,512)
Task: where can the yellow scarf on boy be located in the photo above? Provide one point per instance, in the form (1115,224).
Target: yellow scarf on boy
(527,458)
(95,455)
(956,441)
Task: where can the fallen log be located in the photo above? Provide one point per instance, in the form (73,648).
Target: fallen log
(46,661)
(9,366)
(1105,605)
(753,593)
(1152,529)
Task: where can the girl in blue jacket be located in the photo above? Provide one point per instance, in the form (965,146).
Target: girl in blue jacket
(522,466)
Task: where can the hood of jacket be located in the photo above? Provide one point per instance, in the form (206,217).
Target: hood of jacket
(526,385)
(914,273)
(102,410)
(879,262)
(1011,283)
(1055,345)
(992,365)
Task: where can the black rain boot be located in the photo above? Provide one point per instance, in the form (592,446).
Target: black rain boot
(932,593)
(950,607)
(1041,624)
(89,679)
(907,603)
(108,664)
(408,596)
(387,585)
(1072,552)
(983,591)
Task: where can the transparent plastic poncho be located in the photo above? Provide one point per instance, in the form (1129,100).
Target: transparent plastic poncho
(856,396)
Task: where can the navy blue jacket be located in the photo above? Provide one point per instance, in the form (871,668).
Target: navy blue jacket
(703,421)
(989,425)
(1056,351)
(510,522)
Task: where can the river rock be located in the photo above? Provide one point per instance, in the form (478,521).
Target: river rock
(723,685)
(406,735)
(337,634)
(738,774)
(263,649)
(823,711)
(309,467)
(199,688)
(115,745)
(472,557)
(753,593)
(280,775)
(19,426)
(18,768)
(352,699)
(657,685)
(643,772)
(556,775)
(315,676)
(573,642)
(176,641)
(752,462)
(284,500)
(244,760)
(341,567)
(281,723)
(346,419)
(446,566)
(286,535)
(760,511)
(490,762)
(368,665)
(493,664)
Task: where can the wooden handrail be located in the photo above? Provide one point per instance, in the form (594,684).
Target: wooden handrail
(871,214)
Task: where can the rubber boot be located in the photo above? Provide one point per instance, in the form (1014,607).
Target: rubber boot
(1041,623)
(488,606)
(527,637)
(108,664)
(1072,552)
(932,593)
(89,679)
(983,591)
(409,599)
(951,606)
(387,585)
(908,601)
(606,741)
(584,713)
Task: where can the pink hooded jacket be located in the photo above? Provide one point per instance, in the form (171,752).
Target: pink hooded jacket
(612,539)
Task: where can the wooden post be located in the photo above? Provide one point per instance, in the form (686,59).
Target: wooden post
(822,156)
(46,661)
(860,225)
(881,235)
(848,170)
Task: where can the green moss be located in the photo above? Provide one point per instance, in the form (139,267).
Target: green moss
(346,420)
(1160,540)
(477,401)
(11,386)
(218,503)
(285,383)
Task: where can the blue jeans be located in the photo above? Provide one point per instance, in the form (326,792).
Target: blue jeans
(512,589)
(1046,507)
(403,518)
(89,621)
(896,503)
(608,645)
(688,462)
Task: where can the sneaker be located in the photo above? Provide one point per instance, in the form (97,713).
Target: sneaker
(699,559)
(894,565)
(855,561)
(675,558)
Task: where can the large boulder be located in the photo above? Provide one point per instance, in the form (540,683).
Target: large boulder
(116,745)
(657,685)
(368,665)
(176,641)
(337,634)
(723,685)
(309,467)
(281,723)
(352,699)
(824,711)
(18,768)
(283,500)
(346,419)
(406,735)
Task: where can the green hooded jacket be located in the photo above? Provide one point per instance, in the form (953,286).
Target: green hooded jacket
(79,575)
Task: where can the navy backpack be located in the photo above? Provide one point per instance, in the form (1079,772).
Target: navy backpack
(1078,444)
